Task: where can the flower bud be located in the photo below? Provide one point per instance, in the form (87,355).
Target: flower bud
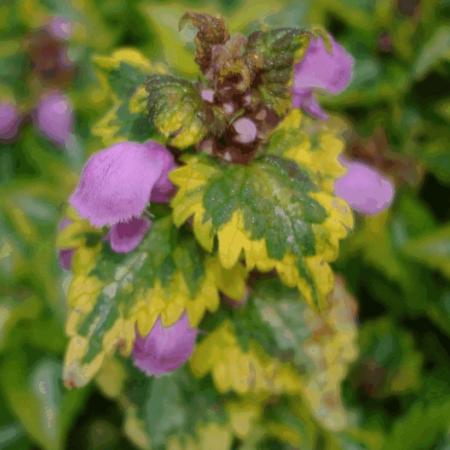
(54,118)
(60,28)
(246,130)
(364,188)
(9,121)
(164,349)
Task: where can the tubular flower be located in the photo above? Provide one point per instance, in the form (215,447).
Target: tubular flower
(164,349)
(116,186)
(9,121)
(54,118)
(321,68)
(365,189)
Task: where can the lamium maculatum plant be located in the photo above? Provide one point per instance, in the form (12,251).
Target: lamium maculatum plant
(203,234)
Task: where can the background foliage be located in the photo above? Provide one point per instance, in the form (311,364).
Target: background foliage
(396,264)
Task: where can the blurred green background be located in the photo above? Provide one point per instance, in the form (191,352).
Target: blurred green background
(397,264)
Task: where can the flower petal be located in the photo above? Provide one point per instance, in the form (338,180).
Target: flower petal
(163,189)
(124,237)
(365,189)
(116,183)
(164,349)
(306,100)
(324,69)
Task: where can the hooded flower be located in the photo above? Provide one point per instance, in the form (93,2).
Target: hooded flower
(321,68)
(365,190)
(54,118)
(9,121)
(116,186)
(164,349)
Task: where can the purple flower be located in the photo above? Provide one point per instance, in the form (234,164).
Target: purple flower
(54,117)
(320,68)
(365,190)
(65,254)
(60,28)
(124,237)
(117,183)
(164,349)
(9,121)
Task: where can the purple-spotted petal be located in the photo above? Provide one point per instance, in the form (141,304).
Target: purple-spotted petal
(116,183)
(163,189)
(324,69)
(54,118)
(9,121)
(365,189)
(164,349)
(124,237)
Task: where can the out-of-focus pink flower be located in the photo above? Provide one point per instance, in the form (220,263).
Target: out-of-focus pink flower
(164,189)
(325,69)
(65,254)
(164,349)
(60,28)
(9,121)
(246,130)
(124,237)
(364,188)
(54,117)
(208,95)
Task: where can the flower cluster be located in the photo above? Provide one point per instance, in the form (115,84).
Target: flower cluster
(251,177)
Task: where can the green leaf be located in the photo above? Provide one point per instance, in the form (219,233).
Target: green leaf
(123,74)
(273,54)
(434,50)
(36,395)
(432,250)
(277,210)
(110,294)
(175,408)
(177,110)
(294,332)
(420,427)
(389,363)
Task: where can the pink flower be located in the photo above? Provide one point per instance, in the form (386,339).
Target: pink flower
(65,254)
(54,118)
(9,121)
(364,188)
(116,186)
(164,349)
(320,68)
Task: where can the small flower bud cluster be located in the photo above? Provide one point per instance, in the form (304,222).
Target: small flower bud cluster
(52,70)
